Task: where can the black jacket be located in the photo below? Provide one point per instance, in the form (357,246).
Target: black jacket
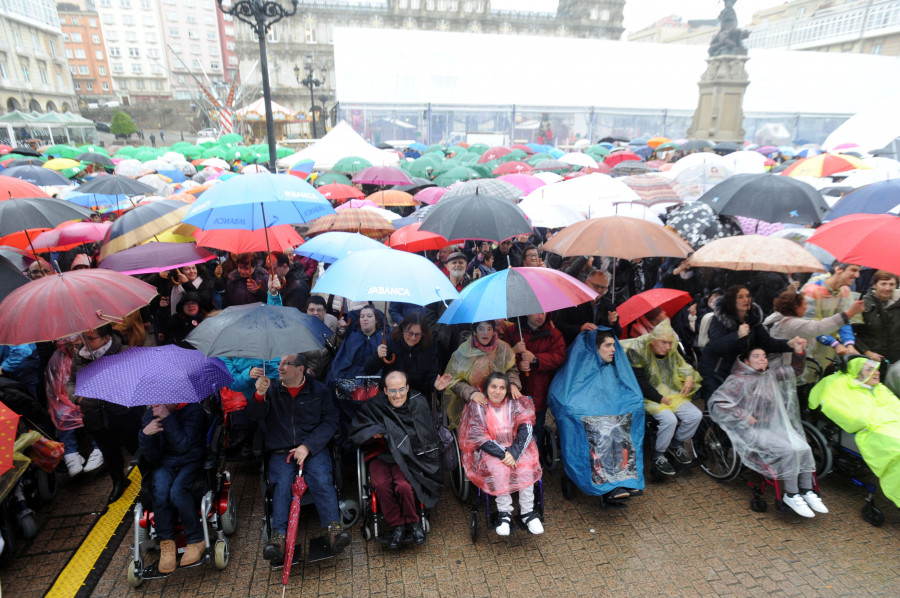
(419,365)
(570,320)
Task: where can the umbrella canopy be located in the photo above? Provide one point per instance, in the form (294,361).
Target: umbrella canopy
(752,195)
(588,195)
(350,165)
(618,236)
(654,188)
(340,193)
(69,235)
(19,258)
(550,215)
(59,164)
(329,178)
(513,167)
(115,185)
(621,156)
(281,237)
(142,224)
(69,303)
(410,238)
(430,196)
(516,292)
(494,187)
(824,165)
(698,224)
(755,252)
(27,213)
(11,277)
(95,158)
(258,331)
(494,153)
(386,275)
(332,246)
(864,239)
(669,300)
(37,175)
(9,424)
(153,376)
(391,197)
(877,198)
(578,159)
(382,176)
(478,217)
(353,220)
(525,182)
(298,489)
(156,257)
(13,188)
(724,147)
(24,150)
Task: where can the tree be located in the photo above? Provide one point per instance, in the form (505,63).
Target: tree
(122,124)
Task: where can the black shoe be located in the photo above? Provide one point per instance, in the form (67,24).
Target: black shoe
(662,466)
(274,550)
(397,537)
(680,454)
(418,533)
(118,489)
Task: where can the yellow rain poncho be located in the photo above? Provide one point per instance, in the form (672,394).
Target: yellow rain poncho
(470,365)
(870,412)
(666,374)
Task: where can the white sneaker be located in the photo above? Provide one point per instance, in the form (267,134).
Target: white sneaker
(504,528)
(535,527)
(799,505)
(74,464)
(94,461)
(815,503)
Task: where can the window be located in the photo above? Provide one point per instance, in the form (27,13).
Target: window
(181,78)
(174,32)
(83,70)
(195,50)
(311,33)
(415,4)
(229,46)
(125,3)
(17,35)
(145,5)
(73,70)
(65,37)
(156,69)
(80,54)
(4,72)
(196,63)
(53,48)
(150,36)
(105,86)
(108,19)
(148,21)
(134,52)
(89,85)
(214,66)
(128,19)
(101,70)
(75,20)
(35,43)
(59,80)
(604,15)
(77,86)
(209,20)
(44,77)
(92,22)
(229,31)
(95,38)
(190,3)
(76,37)
(211,36)
(140,84)
(273,35)
(232,60)
(112,35)
(69,54)
(118,68)
(26,74)
(98,54)
(123,84)
(191,19)
(114,51)
(153,52)
(454,5)
(402,4)
(876,49)
(193,34)
(105,3)
(182,95)
(159,84)
(136,67)
(170,2)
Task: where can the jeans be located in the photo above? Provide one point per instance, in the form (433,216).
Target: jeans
(317,470)
(171,495)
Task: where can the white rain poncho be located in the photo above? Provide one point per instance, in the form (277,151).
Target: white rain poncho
(760,414)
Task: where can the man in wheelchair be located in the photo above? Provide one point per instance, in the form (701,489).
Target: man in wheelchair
(396,431)
(300,419)
(173,442)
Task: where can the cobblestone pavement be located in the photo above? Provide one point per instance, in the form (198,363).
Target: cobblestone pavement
(685,537)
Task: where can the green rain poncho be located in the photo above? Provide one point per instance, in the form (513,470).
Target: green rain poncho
(667,374)
(870,412)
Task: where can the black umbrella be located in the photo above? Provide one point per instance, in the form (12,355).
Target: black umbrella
(768,197)
(25,162)
(614,140)
(726,147)
(11,278)
(783,166)
(696,145)
(258,331)
(20,259)
(95,158)
(477,216)
(23,213)
(37,175)
(418,184)
(116,185)
(698,224)
(24,150)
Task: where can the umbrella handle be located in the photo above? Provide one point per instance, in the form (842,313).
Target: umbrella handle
(391,360)
(113,319)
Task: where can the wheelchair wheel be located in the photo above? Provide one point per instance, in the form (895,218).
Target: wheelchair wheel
(458,479)
(135,573)
(820,449)
(872,515)
(221,554)
(46,485)
(714,453)
(349,513)
(366,531)
(473,526)
(550,459)
(758,504)
(27,525)
(229,517)
(426,525)
(568,488)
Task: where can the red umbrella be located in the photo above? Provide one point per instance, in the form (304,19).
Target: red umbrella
(523,147)
(864,239)
(513,167)
(23,238)
(62,304)
(340,193)
(494,153)
(5,149)
(616,157)
(410,238)
(69,235)
(670,300)
(9,421)
(11,187)
(298,488)
(281,237)
(382,176)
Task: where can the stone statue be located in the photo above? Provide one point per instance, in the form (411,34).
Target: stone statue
(729,39)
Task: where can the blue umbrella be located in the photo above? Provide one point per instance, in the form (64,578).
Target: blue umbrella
(95,200)
(809,152)
(386,275)
(333,245)
(419,147)
(152,376)
(176,175)
(877,198)
(252,202)
(37,175)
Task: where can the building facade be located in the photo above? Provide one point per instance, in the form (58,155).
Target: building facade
(192,45)
(34,74)
(86,54)
(676,30)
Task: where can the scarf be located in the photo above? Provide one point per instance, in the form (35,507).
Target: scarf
(96,354)
(488,348)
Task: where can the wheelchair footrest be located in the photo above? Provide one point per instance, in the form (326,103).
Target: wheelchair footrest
(298,558)
(319,549)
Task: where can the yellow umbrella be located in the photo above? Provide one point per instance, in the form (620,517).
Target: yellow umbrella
(824,165)
(60,164)
(181,233)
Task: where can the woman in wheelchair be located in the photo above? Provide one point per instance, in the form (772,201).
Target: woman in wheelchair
(499,453)
(396,432)
(757,407)
(173,442)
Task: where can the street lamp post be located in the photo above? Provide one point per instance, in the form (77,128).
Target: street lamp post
(322,99)
(261,15)
(311,83)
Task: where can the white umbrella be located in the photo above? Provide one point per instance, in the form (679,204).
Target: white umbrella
(254,169)
(586,195)
(700,178)
(216,163)
(550,215)
(858,178)
(158,164)
(548,177)
(746,162)
(578,159)
(700,158)
(386,214)
(632,210)
(131,168)
(173,158)
(162,187)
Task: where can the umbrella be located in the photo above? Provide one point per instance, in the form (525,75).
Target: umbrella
(494,187)
(550,165)
(392,197)
(153,376)
(455,175)
(24,150)
(622,156)
(494,153)
(864,239)
(115,185)
(752,195)
(331,177)
(95,158)
(69,235)
(331,246)
(578,159)
(550,215)
(516,292)
(23,238)
(653,188)
(698,224)
(668,146)
(12,188)
(298,488)
(155,257)
(656,142)
(587,195)
(353,220)
(618,236)
(281,237)
(726,147)
(877,198)
(11,277)
(216,163)
(514,167)
(37,175)
(410,238)
(382,176)
(430,196)
(59,164)
(386,275)
(696,145)
(824,165)
(477,216)
(141,224)
(417,184)
(801,237)
(24,162)
(56,306)
(669,300)
(525,182)
(9,423)
(27,213)
(19,258)
(350,165)
(340,193)
(756,252)
(627,167)
(258,331)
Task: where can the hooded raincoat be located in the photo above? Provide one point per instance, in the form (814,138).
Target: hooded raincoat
(470,365)
(872,414)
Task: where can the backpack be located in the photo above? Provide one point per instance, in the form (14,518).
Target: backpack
(703,331)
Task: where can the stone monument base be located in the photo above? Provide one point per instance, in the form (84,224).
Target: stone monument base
(719,115)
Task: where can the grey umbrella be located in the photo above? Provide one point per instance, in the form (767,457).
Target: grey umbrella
(11,278)
(477,216)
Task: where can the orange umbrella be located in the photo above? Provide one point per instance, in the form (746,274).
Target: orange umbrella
(410,238)
(392,197)
(352,220)
(281,237)
(655,142)
(618,236)
(23,238)
(9,421)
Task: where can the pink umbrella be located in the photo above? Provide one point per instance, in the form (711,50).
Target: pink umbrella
(382,176)
(493,154)
(356,203)
(430,195)
(70,235)
(298,487)
(526,182)
(514,167)
(845,146)
(752,226)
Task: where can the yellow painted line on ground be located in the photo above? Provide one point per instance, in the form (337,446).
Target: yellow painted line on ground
(71,579)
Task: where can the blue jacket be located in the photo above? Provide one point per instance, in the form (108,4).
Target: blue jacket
(239,367)
(182,441)
(21,363)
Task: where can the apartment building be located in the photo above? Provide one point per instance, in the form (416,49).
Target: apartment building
(86,54)
(193,46)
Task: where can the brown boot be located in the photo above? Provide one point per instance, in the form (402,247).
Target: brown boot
(166,556)
(192,553)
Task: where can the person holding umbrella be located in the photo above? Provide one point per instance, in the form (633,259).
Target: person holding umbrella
(300,419)
(411,344)
(588,316)
(246,284)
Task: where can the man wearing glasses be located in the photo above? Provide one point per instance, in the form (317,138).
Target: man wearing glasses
(588,316)
(300,419)
(40,269)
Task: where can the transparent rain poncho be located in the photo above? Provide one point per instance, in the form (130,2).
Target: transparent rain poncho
(760,414)
(471,365)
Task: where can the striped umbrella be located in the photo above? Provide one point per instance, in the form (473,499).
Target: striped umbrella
(141,224)
(824,165)
(352,220)
(654,188)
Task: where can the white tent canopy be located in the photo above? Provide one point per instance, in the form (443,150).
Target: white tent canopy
(340,142)
(871,128)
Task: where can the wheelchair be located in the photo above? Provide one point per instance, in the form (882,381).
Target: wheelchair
(491,520)
(372,521)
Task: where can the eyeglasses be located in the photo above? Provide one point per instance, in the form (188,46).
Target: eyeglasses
(396,392)
(412,334)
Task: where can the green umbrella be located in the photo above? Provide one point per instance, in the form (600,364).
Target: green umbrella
(667,146)
(533,160)
(62,150)
(71,172)
(92,148)
(422,168)
(444,167)
(181,145)
(516,154)
(125,151)
(281,152)
(214,152)
(460,173)
(146,155)
(597,153)
(208,144)
(469,159)
(331,177)
(482,170)
(478,148)
(231,138)
(437,147)
(255,158)
(350,165)
(458,150)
